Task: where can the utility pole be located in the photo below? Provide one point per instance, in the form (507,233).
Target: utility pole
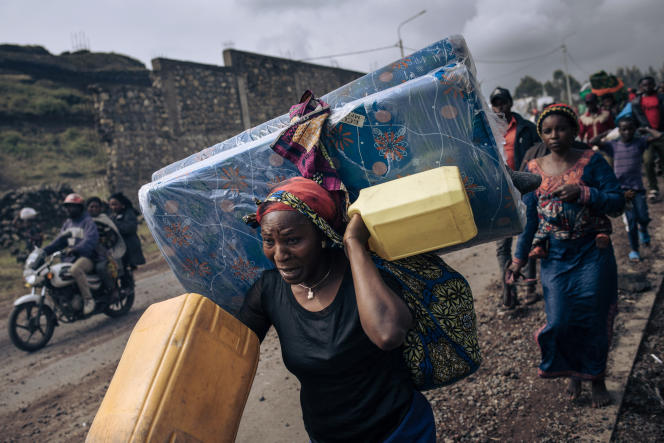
(569,91)
(403,23)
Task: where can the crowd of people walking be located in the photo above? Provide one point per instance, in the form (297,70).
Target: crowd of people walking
(592,168)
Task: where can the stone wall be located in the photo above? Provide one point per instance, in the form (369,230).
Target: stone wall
(200,99)
(190,106)
(272,84)
(133,131)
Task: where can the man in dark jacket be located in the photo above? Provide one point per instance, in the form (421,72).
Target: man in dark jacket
(521,134)
(648,109)
(78,237)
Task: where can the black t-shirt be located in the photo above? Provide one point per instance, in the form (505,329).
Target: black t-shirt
(351,389)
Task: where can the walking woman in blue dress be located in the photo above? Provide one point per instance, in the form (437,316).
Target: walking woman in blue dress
(567,218)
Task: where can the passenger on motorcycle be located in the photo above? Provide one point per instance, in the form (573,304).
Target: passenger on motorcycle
(78,237)
(124,217)
(110,248)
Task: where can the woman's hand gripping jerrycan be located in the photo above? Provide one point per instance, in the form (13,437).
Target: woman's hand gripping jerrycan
(415,214)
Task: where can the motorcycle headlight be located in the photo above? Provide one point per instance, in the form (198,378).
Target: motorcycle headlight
(31,279)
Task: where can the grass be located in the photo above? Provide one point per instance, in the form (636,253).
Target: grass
(11,277)
(30,156)
(42,98)
(49,137)
(27,142)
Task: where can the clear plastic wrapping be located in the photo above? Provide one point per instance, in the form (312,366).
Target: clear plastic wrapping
(194,207)
(415,65)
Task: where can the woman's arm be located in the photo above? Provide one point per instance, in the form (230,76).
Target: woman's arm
(384,316)
(603,193)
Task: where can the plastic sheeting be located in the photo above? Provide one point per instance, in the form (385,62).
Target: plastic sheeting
(437,117)
(415,65)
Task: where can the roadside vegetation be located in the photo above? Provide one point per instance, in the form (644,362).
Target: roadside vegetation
(47,133)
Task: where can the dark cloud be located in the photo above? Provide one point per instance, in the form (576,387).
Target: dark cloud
(600,34)
(258,6)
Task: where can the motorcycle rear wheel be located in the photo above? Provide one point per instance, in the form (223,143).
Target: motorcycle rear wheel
(120,307)
(26,322)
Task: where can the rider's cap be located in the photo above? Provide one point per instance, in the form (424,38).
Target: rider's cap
(74,199)
(27,214)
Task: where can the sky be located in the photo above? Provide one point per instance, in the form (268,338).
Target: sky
(508,39)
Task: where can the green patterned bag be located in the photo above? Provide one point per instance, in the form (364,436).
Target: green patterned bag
(442,347)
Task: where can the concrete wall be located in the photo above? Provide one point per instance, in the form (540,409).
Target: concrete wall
(190,106)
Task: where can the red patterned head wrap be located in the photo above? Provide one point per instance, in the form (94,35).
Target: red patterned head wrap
(309,198)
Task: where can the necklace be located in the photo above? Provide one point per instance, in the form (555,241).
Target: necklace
(310,294)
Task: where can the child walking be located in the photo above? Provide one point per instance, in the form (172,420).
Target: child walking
(627,153)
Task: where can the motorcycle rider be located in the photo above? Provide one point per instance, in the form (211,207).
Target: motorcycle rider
(110,248)
(78,237)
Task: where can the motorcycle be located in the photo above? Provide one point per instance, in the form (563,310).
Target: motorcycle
(35,315)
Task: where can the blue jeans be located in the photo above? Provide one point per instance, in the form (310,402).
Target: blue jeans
(637,218)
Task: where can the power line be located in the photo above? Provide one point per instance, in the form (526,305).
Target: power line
(349,53)
(577,65)
(553,51)
(520,68)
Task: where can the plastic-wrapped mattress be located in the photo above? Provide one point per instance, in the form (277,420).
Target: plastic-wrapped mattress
(415,65)
(194,207)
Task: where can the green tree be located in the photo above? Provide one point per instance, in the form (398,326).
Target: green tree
(557,87)
(629,76)
(528,87)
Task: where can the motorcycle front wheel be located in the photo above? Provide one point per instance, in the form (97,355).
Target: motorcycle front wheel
(121,306)
(30,328)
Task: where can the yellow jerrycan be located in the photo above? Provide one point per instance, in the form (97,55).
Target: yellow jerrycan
(184,376)
(415,214)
